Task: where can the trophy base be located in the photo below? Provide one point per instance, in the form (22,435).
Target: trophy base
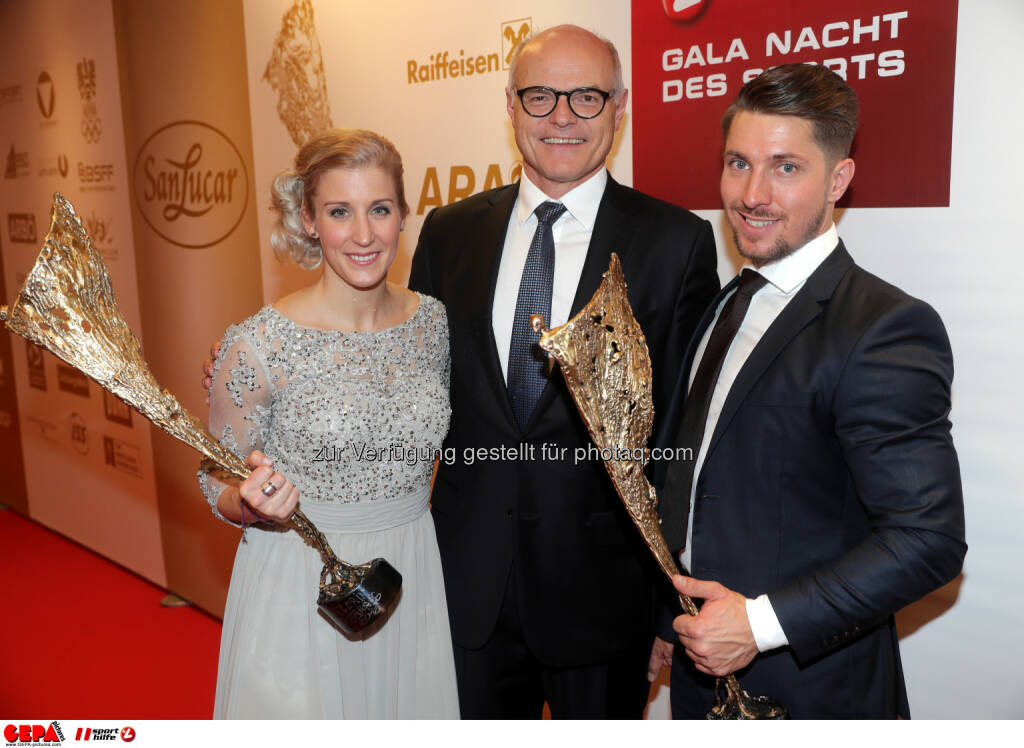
(732,702)
(352,607)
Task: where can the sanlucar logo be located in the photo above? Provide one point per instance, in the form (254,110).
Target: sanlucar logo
(191,184)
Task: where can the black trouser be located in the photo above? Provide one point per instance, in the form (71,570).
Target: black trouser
(504,680)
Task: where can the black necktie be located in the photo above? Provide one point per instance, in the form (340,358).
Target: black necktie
(525,359)
(675,508)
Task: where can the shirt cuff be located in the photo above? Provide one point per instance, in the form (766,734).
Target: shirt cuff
(764,624)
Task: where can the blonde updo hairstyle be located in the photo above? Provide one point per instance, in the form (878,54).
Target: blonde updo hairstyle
(293,189)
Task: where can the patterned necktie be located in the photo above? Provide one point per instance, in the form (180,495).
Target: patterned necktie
(526,378)
(675,510)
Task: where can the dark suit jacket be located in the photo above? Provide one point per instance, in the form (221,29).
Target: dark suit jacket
(831,483)
(581,571)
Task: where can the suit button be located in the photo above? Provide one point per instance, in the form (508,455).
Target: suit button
(508,514)
(708,496)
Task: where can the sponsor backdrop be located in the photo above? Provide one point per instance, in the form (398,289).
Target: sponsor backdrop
(87,459)
(435,88)
(186,129)
(217,97)
(898,54)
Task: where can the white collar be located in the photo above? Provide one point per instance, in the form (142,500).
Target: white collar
(795,268)
(581,202)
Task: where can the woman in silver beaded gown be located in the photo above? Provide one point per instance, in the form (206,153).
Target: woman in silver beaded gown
(338,395)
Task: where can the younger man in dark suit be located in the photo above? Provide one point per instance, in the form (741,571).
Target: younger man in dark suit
(823,493)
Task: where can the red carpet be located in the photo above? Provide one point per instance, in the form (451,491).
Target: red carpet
(82,638)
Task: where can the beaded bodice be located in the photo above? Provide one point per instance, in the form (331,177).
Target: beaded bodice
(346,416)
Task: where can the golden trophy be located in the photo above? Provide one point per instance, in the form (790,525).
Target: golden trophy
(603,356)
(67,306)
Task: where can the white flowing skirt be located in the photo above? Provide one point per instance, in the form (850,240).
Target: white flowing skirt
(280,659)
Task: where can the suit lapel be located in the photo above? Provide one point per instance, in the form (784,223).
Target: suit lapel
(488,236)
(805,307)
(613,232)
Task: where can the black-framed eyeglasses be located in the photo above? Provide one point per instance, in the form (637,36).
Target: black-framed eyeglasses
(540,101)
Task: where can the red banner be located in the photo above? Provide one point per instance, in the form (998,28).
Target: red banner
(691,57)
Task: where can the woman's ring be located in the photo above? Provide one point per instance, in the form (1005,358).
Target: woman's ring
(268,489)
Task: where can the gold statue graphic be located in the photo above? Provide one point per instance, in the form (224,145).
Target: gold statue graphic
(296,73)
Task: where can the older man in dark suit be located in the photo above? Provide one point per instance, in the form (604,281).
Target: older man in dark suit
(823,491)
(548,584)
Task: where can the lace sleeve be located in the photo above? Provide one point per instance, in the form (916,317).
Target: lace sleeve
(239,406)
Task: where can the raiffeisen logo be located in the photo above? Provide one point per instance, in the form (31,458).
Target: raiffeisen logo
(684,11)
(445,64)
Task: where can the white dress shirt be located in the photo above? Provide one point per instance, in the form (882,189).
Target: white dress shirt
(785,277)
(571,232)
